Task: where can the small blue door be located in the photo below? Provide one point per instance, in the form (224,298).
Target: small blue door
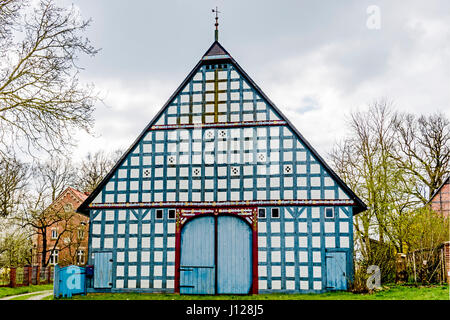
(336,271)
(197,267)
(103,270)
(234,256)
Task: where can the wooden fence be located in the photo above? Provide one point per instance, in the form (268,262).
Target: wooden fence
(429,265)
(25,276)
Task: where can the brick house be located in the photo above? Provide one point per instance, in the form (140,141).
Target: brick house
(440,202)
(446,246)
(67,239)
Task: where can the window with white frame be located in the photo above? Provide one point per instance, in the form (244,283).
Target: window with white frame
(54,234)
(54,257)
(171,214)
(80,234)
(262,213)
(329,212)
(159,214)
(275,212)
(80,257)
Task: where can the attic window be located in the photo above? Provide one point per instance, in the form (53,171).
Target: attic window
(329,213)
(262,213)
(68,207)
(275,212)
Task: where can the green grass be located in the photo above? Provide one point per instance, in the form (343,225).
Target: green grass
(28,296)
(393,292)
(50,297)
(5,291)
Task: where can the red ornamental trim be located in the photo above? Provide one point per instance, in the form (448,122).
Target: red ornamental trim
(250,214)
(223,204)
(218,125)
(255,289)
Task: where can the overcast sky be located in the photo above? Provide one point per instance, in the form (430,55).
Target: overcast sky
(316,60)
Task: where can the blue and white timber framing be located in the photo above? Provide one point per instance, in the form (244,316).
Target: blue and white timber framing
(221,194)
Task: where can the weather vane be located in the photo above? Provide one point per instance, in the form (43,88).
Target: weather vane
(217,23)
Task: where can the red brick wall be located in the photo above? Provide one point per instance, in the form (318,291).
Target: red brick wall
(66,255)
(441,201)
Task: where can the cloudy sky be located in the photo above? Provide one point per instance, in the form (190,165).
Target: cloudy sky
(316,60)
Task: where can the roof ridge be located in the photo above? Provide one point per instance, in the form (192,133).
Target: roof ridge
(216,49)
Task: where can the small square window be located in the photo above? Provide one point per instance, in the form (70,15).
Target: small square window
(261,212)
(171,214)
(329,213)
(275,212)
(159,214)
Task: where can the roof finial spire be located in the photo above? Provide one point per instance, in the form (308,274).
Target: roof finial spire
(216,34)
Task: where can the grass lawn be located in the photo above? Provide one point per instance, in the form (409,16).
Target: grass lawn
(393,292)
(5,291)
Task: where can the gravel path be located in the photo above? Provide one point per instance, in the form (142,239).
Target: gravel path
(37,295)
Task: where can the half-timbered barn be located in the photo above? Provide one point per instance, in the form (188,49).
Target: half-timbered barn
(220,194)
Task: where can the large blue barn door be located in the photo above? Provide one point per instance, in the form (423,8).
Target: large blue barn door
(103,270)
(203,258)
(234,256)
(336,271)
(197,267)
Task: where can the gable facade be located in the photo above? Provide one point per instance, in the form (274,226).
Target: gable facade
(220,161)
(66,239)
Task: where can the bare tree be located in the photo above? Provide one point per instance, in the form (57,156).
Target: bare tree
(423,151)
(56,175)
(9,13)
(74,240)
(41,98)
(40,216)
(364,161)
(13,181)
(385,159)
(94,167)
(39,212)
